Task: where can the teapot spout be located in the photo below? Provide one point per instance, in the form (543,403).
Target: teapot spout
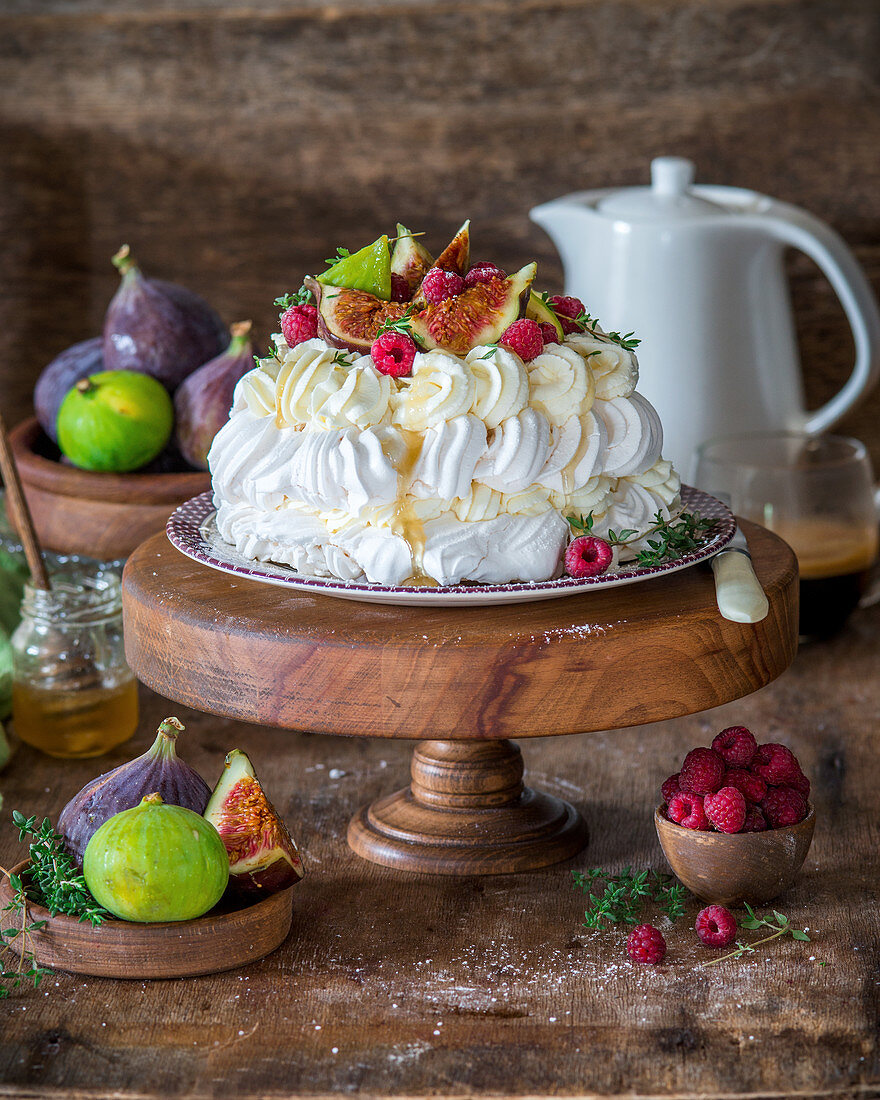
(568,222)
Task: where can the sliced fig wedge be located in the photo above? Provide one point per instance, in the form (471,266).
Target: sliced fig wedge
(538,310)
(410,259)
(263,857)
(351,318)
(479,315)
(456,256)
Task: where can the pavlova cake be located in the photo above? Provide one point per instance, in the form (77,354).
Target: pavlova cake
(433,421)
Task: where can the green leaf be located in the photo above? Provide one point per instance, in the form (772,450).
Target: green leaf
(797,935)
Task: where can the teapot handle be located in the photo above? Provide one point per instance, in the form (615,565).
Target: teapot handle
(796,227)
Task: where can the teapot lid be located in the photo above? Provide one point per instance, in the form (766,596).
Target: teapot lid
(669,196)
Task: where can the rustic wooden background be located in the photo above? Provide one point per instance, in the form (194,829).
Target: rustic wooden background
(232,142)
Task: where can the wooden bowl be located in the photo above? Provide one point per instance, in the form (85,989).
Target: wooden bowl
(223,939)
(103,516)
(730,869)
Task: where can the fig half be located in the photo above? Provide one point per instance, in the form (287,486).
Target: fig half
(479,315)
(263,857)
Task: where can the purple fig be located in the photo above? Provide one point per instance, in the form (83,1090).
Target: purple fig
(60,376)
(158,328)
(202,402)
(158,770)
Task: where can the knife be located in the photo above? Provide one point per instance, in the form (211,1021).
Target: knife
(738,591)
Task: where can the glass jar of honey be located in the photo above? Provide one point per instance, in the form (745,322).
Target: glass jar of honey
(73,695)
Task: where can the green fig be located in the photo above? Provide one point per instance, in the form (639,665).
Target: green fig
(368,270)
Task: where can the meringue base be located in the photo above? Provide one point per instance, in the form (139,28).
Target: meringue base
(495,551)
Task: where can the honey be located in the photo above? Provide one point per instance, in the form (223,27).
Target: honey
(73,694)
(75,723)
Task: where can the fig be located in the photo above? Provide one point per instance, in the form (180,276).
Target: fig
(159,770)
(263,858)
(60,376)
(158,328)
(410,259)
(115,420)
(479,315)
(351,318)
(203,400)
(456,256)
(369,270)
(156,862)
(538,310)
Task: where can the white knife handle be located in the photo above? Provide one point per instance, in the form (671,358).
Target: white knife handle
(738,591)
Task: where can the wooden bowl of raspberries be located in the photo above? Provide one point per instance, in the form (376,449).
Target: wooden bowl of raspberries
(735,823)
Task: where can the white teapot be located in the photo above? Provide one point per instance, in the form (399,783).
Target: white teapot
(697,274)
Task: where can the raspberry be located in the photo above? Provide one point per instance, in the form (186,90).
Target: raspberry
(687,809)
(566,309)
(783,806)
(587,556)
(755,821)
(400,291)
(753,787)
(645,944)
(670,787)
(726,809)
(716,926)
(482,271)
(775,764)
(524,337)
(393,353)
(737,745)
(702,772)
(299,323)
(548,332)
(801,784)
(438,285)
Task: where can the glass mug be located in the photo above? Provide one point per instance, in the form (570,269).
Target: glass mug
(816,492)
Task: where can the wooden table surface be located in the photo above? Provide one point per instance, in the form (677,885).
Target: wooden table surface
(411,985)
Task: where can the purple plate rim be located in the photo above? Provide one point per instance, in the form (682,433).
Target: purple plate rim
(184,533)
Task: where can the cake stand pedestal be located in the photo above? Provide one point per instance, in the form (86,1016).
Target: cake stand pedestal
(461,680)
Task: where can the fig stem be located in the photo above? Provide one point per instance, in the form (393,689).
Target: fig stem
(171,727)
(86,385)
(154,799)
(123,261)
(239,332)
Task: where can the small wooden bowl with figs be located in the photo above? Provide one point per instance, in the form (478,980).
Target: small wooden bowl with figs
(100,515)
(734,868)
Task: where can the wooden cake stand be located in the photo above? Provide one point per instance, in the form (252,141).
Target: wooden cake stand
(463,680)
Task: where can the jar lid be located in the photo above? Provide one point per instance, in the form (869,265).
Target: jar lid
(668,198)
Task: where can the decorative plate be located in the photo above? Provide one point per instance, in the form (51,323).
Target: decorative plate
(193,531)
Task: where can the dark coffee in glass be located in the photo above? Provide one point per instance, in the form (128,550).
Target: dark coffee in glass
(818,494)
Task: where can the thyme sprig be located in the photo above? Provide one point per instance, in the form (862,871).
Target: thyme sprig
(780,926)
(341,254)
(53,882)
(583,525)
(343,358)
(401,324)
(26,969)
(302,297)
(587,323)
(624,896)
(672,538)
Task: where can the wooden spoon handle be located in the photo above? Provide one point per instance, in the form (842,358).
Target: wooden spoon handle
(20,513)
